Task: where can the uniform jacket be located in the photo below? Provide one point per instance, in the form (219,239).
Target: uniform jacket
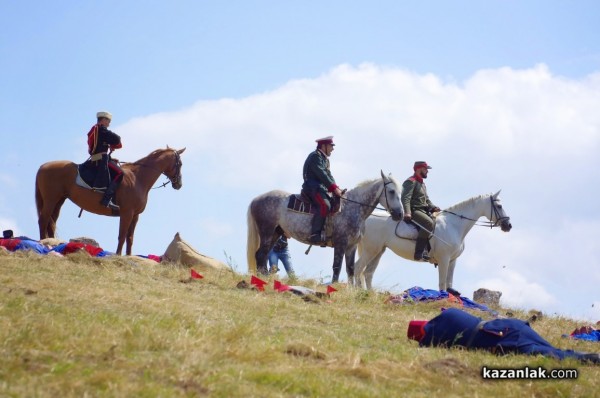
(414,196)
(101,139)
(316,173)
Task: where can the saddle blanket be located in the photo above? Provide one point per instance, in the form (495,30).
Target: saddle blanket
(406,230)
(298,204)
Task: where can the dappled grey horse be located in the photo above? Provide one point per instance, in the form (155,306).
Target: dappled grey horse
(269,218)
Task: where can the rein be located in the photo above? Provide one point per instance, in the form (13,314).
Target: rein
(491,224)
(371,206)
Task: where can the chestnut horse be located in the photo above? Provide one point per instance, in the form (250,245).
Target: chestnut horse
(55,182)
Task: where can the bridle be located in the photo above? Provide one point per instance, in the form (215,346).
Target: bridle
(493,212)
(176,179)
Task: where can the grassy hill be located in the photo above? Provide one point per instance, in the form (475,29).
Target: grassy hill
(88,327)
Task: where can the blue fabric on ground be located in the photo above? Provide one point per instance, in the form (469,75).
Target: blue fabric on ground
(32,245)
(419,294)
(594,335)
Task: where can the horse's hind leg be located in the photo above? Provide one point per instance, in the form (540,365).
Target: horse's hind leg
(370,269)
(268,237)
(54,218)
(48,215)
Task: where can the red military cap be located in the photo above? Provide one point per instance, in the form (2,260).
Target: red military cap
(325,140)
(416,330)
(420,164)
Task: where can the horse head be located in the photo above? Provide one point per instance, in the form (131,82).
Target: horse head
(498,215)
(390,197)
(173,172)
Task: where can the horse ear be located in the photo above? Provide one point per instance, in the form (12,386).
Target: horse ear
(497,193)
(382,175)
(181,150)
(168,146)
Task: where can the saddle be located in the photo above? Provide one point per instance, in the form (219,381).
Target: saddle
(93,174)
(410,231)
(300,203)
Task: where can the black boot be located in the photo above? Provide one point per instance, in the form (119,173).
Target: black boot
(108,195)
(315,231)
(420,251)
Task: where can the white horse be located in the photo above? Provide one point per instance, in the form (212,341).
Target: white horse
(447,243)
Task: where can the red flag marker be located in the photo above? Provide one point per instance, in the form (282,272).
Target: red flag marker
(331,289)
(280,287)
(195,275)
(259,283)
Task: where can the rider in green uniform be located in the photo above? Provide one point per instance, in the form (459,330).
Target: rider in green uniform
(318,183)
(419,208)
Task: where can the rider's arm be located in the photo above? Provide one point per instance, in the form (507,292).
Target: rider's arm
(407,192)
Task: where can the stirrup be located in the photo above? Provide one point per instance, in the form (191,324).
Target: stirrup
(110,204)
(423,257)
(317,239)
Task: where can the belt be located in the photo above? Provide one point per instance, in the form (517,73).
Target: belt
(97,156)
(475,330)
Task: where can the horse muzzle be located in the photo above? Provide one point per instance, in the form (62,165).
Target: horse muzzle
(177,184)
(505,225)
(397,215)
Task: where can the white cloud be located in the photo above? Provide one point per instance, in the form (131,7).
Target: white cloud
(518,292)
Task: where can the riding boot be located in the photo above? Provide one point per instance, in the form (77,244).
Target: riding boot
(317,226)
(420,250)
(108,196)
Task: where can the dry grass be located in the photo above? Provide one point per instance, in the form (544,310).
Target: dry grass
(81,326)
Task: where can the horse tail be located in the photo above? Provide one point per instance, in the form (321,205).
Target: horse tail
(253,241)
(39,201)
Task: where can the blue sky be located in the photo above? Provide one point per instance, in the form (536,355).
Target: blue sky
(495,94)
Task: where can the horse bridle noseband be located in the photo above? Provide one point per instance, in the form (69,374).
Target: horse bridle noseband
(493,211)
(178,164)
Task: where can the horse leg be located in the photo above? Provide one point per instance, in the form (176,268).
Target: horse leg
(130,233)
(368,251)
(47,216)
(450,275)
(371,267)
(443,273)
(124,223)
(350,255)
(338,257)
(54,218)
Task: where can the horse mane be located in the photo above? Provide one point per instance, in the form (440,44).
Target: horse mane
(466,202)
(152,154)
(364,183)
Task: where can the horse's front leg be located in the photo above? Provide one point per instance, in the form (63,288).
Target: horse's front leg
(130,233)
(350,255)
(450,275)
(124,223)
(443,265)
(338,256)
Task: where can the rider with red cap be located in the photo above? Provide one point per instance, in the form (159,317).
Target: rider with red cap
(419,208)
(454,327)
(318,183)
